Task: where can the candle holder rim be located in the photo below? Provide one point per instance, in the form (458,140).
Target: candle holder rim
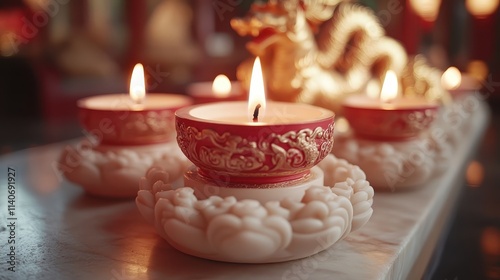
(202,83)
(430,106)
(184,113)
(186,102)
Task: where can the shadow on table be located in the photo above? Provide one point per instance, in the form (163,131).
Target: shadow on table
(87,201)
(122,243)
(167,261)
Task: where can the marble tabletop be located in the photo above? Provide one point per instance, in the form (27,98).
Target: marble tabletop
(61,233)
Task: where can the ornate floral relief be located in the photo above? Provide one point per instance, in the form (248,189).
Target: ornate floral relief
(402,124)
(249,231)
(116,173)
(132,127)
(153,123)
(288,153)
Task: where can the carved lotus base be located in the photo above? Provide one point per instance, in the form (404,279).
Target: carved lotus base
(454,120)
(114,171)
(390,165)
(259,230)
(407,164)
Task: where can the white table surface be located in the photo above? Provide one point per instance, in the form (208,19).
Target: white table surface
(61,233)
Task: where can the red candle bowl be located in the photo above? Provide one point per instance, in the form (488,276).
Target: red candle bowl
(114,119)
(397,120)
(227,146)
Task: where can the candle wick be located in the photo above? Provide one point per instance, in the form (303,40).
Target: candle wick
(256,113)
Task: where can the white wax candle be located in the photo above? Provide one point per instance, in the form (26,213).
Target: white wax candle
(276,113)
(363,101)
(120,102)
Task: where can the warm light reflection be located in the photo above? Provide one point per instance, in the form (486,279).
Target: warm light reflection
(6,46)
(451,78)
(389,87)
(257,94)
(481,8)
(490,241)
(44,178)
(426,9)
(474,174)
(221,87)
(38,5)
(341,125)
(137,84)
(478,69)
(373,89)
(490,245)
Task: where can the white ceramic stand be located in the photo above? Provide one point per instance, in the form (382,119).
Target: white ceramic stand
(114,171)
(274,225)
(406,164)
(203,189)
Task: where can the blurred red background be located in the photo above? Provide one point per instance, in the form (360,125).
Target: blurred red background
(55,52)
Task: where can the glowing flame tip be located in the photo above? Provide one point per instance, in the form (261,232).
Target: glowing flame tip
(221,87)
(137,84)
(451,78)
(389,89)
(257,94)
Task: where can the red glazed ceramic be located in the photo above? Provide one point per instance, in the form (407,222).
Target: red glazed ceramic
(115,120)
(227,146)
(389,122)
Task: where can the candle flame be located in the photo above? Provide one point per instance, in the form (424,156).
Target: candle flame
(137,84)
(221,86)
(257,94)
(451,78)
(389,87)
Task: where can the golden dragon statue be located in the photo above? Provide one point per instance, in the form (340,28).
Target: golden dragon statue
(319,51)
